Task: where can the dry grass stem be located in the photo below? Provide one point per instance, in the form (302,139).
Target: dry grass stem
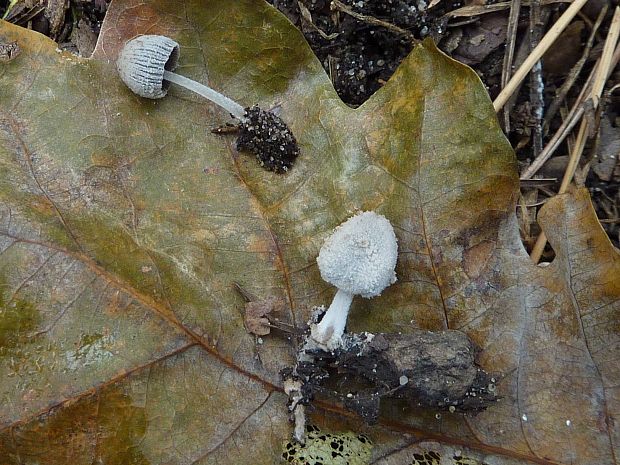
(338,5)
(511,37)
(574,115)
(574,72)
(477,10)
(306,16)
(537,53)
(567,126)
(603,70)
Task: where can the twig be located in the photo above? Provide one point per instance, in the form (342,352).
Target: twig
(581,173)
(602,72)
(574,72)
(607,58)
(463,22)
(511,36)
(570,137)
(338,5)
(537,204)
(573,117)
(537,53)
(306,17)
(537,21)
(476,10)
(589,22)
(538,182)
(521,53)
(567,126)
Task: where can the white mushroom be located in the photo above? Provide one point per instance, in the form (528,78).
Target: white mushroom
(359,259)
(145,65)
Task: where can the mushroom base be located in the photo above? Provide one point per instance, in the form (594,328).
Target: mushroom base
(328,332)
(435,370)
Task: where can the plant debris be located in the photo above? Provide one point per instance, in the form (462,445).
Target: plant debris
(256,312)
(258,318)
(436,370)
(346,448)
(269,138)
(9,51)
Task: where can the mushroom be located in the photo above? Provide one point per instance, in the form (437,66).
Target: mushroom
(145,64)
(359,259)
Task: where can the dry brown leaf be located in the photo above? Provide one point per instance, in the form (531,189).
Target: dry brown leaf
(123,223)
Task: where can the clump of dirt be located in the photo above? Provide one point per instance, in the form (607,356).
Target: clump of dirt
(435,370)
(269,138)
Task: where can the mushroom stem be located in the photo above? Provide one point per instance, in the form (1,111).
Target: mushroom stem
(227,104)
(330,329)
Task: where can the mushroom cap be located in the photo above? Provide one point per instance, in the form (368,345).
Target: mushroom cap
(142,61)
(360,255)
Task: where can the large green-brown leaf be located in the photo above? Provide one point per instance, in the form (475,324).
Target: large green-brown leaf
(125,222)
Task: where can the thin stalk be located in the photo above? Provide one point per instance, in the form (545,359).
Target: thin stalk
(537,53)
(227,104)
(511,38)
(330,328)
(602,72)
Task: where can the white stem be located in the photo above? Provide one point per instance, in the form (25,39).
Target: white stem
(329,330)
(227,104)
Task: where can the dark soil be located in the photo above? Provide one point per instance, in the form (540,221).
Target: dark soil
(363,56)
(269,138)
(436,370)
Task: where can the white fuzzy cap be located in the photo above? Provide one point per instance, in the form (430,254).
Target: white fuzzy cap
(360,255)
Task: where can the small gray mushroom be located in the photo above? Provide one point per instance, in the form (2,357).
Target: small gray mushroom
(145,65)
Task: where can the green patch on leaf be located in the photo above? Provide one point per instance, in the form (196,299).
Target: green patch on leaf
(18,318)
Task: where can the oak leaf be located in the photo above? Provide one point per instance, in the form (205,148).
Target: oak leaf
(124,223)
